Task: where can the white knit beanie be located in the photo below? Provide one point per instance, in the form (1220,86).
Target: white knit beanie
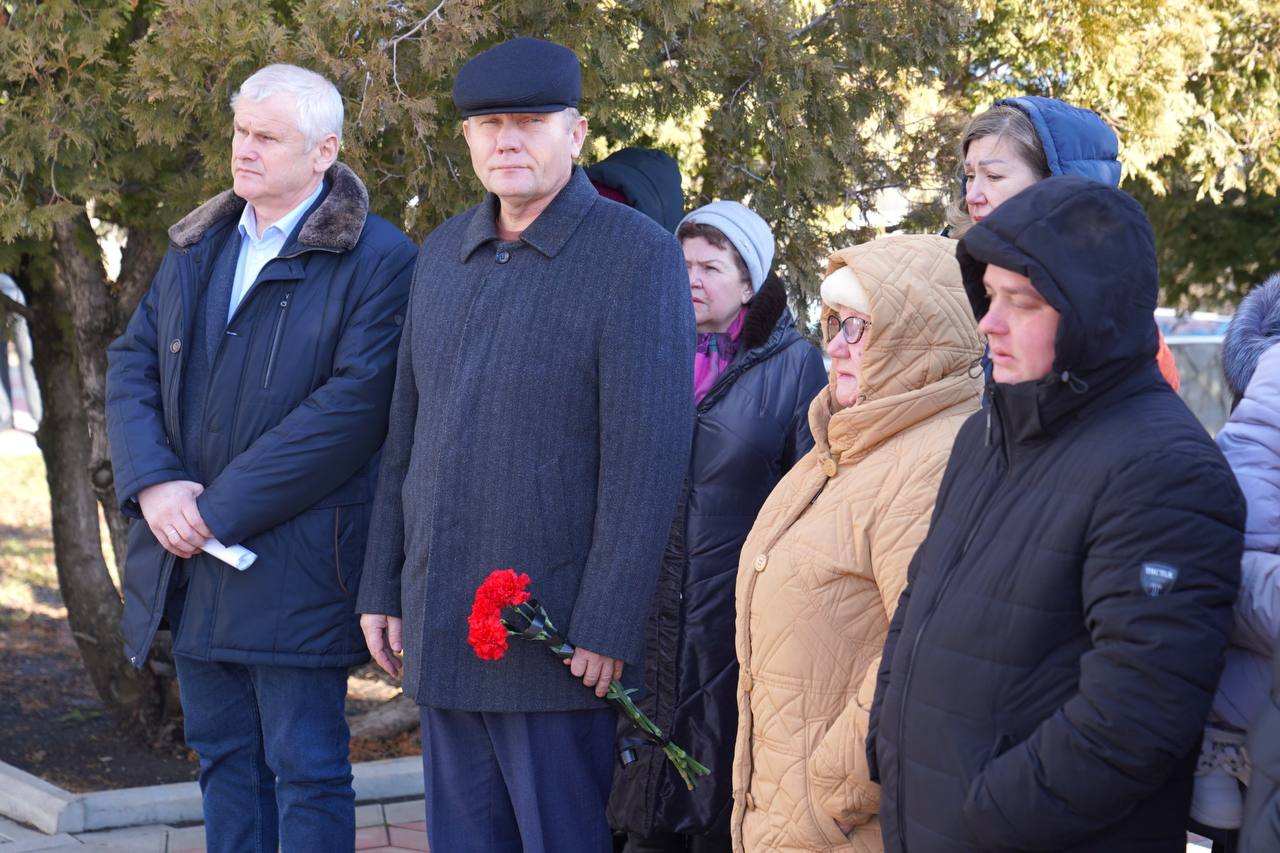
(842,289)
(745,230)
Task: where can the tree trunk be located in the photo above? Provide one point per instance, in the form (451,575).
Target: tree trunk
(82,287)
(93,604)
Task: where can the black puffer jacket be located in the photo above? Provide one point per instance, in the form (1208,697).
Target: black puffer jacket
(1049,668)
(750,429)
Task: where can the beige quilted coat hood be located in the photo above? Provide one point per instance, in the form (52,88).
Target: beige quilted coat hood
(824,564)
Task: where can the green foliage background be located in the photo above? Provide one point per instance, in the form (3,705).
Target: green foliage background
(809,111)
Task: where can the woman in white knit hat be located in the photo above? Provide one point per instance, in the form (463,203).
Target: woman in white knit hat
(754,376)
(822,569)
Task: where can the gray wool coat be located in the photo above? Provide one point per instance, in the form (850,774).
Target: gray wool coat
(541,421)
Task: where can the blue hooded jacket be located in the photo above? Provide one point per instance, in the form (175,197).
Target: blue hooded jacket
(1075,140)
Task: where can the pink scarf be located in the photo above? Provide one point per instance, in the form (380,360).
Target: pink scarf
(714,353)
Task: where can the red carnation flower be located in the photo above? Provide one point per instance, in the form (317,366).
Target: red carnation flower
(486,633)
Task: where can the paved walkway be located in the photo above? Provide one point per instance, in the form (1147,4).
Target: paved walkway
(387,827)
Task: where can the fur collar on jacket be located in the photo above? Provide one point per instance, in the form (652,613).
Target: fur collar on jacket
(1254,330)
(766,310)
(335,225)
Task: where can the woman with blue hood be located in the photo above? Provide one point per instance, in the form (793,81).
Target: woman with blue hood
(1021,141)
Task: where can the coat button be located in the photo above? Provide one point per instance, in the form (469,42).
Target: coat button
(503,256)
(762,560)
(744,681)
(175,346)
(829,466)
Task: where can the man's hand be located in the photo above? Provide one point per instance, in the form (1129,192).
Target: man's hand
(385,638)
(171,513)
(594,670)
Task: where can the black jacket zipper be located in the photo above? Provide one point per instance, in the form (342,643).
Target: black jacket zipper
(277,333)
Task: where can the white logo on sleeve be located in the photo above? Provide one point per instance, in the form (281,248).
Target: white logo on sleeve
(1158,578)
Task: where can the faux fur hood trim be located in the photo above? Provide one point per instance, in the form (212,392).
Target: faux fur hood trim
(335,225)
(1254,330)
(765,312)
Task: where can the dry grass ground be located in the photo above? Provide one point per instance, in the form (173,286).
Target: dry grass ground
(54,724)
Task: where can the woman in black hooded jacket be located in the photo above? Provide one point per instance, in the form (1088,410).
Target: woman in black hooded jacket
(752,399)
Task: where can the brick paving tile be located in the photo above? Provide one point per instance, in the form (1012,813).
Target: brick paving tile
(413,839)
(404,812)
(187,838)
(369,815)
(420,826)
(371,836)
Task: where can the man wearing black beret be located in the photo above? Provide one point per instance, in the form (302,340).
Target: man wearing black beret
(541,420)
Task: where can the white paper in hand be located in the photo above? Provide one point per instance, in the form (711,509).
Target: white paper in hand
(237,556)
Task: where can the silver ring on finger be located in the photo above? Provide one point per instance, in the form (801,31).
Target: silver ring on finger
(173,534)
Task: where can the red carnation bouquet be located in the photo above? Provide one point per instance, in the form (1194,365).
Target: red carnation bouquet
(504,608)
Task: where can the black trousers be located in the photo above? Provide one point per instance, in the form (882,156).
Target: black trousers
(670,842)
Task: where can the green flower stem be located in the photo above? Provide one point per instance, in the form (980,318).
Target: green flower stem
(529,621)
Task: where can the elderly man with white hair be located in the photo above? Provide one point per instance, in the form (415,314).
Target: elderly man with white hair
(246,402)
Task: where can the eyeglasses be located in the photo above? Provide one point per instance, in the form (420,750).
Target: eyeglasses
(853,327)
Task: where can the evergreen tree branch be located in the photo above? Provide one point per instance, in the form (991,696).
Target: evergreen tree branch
(394,43)
(821,20)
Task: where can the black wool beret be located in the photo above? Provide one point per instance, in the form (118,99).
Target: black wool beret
(524,75)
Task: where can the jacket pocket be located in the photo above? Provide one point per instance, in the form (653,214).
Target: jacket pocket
(337,546)
(277,333)
(828,834)
(348,545)
(557,525)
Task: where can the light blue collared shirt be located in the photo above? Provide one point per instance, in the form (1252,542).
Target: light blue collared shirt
(255,251)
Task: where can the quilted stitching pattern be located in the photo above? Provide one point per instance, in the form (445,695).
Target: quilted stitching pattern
(834,551)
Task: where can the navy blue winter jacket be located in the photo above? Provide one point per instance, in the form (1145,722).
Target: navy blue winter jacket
(296,409)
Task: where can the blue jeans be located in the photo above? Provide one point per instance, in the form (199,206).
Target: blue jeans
(274,766)
(516,782)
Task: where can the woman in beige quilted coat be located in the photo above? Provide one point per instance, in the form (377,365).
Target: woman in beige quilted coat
(822,569)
